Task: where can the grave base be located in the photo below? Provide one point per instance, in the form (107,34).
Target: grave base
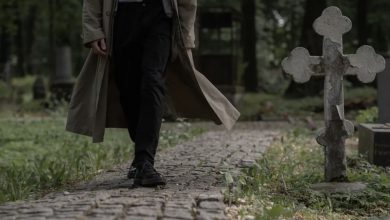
(374,143)
(331,188)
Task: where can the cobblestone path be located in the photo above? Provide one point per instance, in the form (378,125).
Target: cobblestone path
(194,191)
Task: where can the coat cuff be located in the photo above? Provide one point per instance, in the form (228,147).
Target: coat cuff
(92,36)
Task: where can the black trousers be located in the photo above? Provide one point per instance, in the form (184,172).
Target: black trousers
(141,47)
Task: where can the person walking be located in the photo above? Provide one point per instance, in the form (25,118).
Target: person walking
(140,59)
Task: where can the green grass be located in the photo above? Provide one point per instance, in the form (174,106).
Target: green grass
(370,115)
(259,105)
(37,155)
(278,186)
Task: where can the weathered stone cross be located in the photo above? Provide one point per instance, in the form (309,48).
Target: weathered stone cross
(334,65)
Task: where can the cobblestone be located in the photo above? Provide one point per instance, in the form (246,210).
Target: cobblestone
(193,171)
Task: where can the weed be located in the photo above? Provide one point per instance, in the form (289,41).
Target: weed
(368,116)
(278,186)
(37,155)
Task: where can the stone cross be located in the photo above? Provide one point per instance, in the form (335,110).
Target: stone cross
(333,64)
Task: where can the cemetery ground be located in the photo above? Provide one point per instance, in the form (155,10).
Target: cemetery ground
(279,184)
(37,158)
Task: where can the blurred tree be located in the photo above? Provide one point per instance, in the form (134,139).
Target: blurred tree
(20,7)
(26,27)
(18,22)
(362,21)
(8,32)
(5,46)
(5,54)
(309,38)
(51,50)
(379,25)
(31,20)
(313,42)
(249,41)
(278,25)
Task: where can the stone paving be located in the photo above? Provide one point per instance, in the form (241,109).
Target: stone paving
(194,191)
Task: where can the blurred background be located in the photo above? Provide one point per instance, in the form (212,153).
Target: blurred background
(240,45)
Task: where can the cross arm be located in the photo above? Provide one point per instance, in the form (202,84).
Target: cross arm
(301,65)
(366,63)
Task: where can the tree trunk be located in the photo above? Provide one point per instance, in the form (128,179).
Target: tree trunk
(19,40)
(249,45)
(362,35)
(51,64)
(362,22)
(313,42)
(5,55)
(309,38)
(29,30)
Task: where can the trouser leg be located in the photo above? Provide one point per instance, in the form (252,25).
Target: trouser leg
(142,38)
(127,62)
(156,49)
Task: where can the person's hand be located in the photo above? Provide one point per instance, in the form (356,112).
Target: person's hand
(99,47)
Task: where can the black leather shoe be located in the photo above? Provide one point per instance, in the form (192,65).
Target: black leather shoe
(131,173)
(147,176)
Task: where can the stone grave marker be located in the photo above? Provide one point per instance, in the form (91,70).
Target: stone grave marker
(62,81)
(39,89)
(334,65)
(384,94)
(374,143)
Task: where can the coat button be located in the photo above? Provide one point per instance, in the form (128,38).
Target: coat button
(144,4)
(108,13)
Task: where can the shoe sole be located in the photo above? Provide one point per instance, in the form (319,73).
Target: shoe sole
(150,182)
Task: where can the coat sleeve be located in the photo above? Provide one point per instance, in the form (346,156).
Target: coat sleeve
(92,21)
(187,13)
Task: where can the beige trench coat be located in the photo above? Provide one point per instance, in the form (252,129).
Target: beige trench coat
(95,101)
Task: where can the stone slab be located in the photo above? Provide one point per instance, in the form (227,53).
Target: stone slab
(384,94)
(331,188)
